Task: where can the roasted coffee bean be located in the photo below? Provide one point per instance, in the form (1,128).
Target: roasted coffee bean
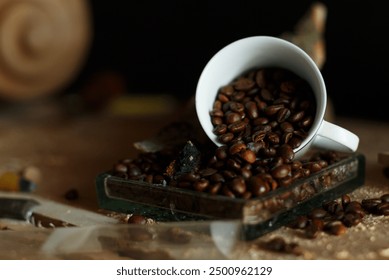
(239,96)
(227,90)
(273,109)
(351,219)
(273,138)
(306,122)
(333,207)
(232,117)
(296,117)
(137,219)
(221,152)
(312,231)
(258,186)
(238,126)
(237,107)
(220,129)
(300,222)
(260,121)
(370,204)
(266,94)
(244,84)
(313,167)
(189,177)
(258,136)
(248,155)
(120,168)
(260,78)
(217,178)
(225,138)
(201,185)
(385,198)
(238,186)
(286,152)
(288,86)
(383,208)
(335,228)
(216,120)
(345,200)
(223,97)
(237,147)
(283,114)
(252,109)
(295,142)
(281,171)
(215,188)
(217,113)
(228,192)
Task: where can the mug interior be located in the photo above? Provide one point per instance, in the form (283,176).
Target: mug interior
(257,52)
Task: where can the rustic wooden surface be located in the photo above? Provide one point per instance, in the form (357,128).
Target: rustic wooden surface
(70,150)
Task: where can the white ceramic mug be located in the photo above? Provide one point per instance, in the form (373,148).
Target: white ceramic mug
(264,51)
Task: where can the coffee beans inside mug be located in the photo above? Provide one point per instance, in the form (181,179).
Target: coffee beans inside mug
(270,106)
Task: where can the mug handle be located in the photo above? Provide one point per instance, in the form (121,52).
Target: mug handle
(334,137)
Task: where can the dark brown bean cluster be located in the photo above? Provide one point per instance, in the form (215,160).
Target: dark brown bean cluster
(278,244)
(263,112)
(336,216)
(260,118)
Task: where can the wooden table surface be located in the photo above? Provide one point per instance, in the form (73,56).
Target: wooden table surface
(70,150)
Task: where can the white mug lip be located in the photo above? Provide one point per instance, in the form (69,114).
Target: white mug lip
(320,92)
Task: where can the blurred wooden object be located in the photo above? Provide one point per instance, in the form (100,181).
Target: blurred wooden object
(309,35)
(43,43)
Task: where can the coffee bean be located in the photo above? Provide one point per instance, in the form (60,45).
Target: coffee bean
(335,228)
(237,107)
(225,138)
(283,114)
(201,185)
(351,219)
(286,152)
(243,84)
(238,186)
(385,198)
(281,171)
(383,208)
(137,219)
(300,222)
(252,109)
(370,205)
(232,117)
(236,148)
(237,126)
(220,129)
(248,155)
(273,109)
(258,186)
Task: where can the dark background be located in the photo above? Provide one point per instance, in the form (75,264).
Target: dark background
(162,46)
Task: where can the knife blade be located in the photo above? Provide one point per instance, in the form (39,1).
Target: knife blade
(23,209)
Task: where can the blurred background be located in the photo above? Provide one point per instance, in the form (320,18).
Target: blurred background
(162,46)
(152,47)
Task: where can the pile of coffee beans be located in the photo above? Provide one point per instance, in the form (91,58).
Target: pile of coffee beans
(265,111)
(260,118)
(336,216)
